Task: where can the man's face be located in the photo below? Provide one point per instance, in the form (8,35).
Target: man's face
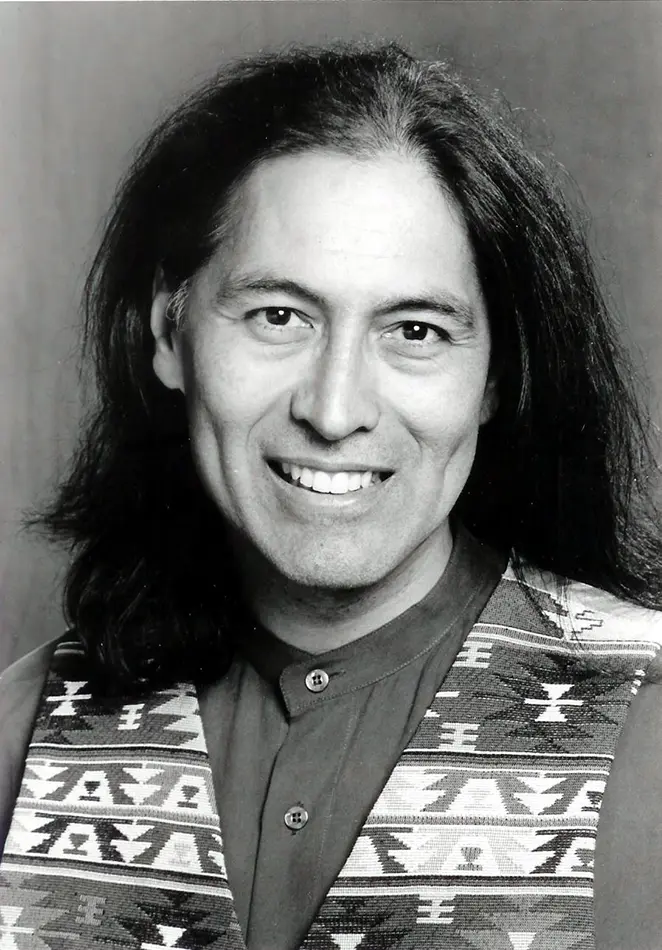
(334,355)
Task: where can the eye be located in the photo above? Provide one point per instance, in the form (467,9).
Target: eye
(277,316)
(280,324)
(416,333)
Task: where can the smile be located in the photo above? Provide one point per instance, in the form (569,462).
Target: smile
(327,483)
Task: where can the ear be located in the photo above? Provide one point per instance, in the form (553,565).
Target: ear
(167,359)
(490,400)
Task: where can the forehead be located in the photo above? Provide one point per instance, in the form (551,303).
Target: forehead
(379,224)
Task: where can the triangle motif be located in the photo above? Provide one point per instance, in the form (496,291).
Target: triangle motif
(347,941)
(179,853)
(521,940)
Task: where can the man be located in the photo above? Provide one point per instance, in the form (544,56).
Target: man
(341,319)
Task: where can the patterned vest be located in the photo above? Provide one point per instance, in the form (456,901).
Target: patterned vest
(483,836)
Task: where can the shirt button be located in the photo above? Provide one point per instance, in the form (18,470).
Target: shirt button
(296,818)
(317,680)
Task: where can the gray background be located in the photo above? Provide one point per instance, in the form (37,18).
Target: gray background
(80,83)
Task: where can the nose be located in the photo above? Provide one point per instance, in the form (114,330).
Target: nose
(336,397)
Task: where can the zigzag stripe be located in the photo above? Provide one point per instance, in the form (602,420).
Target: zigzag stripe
(550,644)
(141,880)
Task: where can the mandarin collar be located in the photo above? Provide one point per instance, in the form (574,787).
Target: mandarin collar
(472,570)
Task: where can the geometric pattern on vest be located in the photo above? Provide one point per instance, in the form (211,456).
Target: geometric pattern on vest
(483,836)
(114,841)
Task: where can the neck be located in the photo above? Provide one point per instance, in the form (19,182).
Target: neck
(317,619)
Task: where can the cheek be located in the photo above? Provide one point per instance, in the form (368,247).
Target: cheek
(216,410)
(219,423)
(223,392)
(445,417)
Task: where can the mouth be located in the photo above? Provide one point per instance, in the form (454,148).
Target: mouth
(326,482)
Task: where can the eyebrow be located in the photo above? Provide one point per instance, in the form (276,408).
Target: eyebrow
(234,286)
(445,303)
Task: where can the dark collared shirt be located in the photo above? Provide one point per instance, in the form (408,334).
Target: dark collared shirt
(301,745)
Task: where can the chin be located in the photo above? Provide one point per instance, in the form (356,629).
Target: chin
(331,568)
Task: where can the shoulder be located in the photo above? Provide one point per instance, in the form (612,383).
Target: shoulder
(628,908)
(585,613)
(28,670)
(21,686)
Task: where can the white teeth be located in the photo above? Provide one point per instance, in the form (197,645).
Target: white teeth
(353,481)
(322,482)
(340,483)
(334,483)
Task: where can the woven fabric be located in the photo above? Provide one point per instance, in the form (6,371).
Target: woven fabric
(115,841)
(483,836)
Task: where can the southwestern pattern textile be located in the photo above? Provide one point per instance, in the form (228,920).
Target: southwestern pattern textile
(482,838)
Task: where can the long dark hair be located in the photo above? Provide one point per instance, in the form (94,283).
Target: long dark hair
(560,476)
